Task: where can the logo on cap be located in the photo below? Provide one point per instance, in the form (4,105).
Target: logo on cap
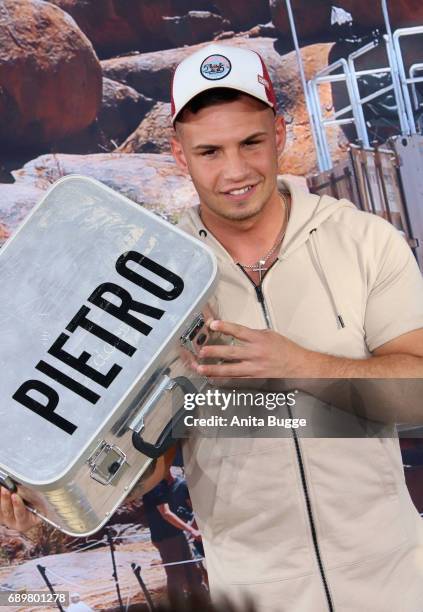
(215,67)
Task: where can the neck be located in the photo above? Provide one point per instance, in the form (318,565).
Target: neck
(248,240)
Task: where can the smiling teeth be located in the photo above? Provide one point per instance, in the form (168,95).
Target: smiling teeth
(240,191)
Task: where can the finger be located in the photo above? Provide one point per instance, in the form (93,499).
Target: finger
(231,352)
(242,369)
(21,512)
(6,506)
(240,332)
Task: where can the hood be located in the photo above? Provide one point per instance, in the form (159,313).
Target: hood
(308,212)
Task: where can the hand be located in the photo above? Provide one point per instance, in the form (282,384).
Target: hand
(257,354)
(195,534)
(13,512)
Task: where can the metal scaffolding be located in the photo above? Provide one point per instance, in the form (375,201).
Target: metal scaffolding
(344,70)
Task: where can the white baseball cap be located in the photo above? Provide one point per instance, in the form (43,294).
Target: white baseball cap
(219,65)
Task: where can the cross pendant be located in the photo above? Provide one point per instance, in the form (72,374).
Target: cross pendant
(259,267)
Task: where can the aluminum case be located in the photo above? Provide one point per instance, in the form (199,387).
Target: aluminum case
(97,293)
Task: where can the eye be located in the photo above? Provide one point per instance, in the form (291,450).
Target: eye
(208,152)
(251,143)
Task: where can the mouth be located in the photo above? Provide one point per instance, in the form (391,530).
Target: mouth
(241,193)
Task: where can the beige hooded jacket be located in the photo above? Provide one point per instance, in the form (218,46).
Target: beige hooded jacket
(315,524)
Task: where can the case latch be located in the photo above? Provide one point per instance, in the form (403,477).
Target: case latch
(106,462)
(192,337)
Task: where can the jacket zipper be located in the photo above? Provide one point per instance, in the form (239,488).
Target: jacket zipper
(259,293)
(260,297)
(262,301)
(311,518)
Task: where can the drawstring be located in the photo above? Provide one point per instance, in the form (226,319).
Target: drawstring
(314,246)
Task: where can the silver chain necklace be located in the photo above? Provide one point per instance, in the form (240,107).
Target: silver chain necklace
(260,265)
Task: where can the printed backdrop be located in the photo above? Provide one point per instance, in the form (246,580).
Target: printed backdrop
(84,87)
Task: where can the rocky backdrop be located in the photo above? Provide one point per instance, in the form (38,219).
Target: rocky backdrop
(84,86)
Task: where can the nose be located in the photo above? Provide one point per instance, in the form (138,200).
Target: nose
(235,168)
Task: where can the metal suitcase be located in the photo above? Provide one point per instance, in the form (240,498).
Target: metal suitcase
(98,297)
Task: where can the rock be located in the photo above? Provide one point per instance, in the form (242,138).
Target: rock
(149,73)
(50,77)
(225,35)
(16,201)
(153,134)
(243,15)
(313,19)
(257,31)
(194,27)
(117,26)
(151,180)
(122,109)
(262,29)
(299,157)
(14,545)
(50,541)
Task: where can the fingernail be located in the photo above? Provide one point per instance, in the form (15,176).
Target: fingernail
(214,325)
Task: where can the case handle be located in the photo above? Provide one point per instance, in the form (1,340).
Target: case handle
(165,439)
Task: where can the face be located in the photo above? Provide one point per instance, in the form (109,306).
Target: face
(231,151)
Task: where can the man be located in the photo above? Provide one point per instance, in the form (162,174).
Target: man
(166,526)
(309,287)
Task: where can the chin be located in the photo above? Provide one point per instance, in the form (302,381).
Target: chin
(243,215)
(236,212)
(247,212)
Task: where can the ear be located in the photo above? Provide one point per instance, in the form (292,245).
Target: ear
(280,131)
(178,152)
